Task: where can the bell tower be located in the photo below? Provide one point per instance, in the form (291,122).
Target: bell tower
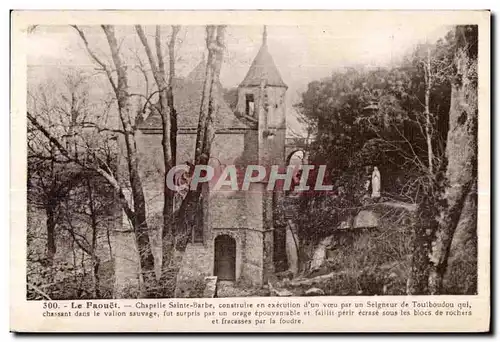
(261,99)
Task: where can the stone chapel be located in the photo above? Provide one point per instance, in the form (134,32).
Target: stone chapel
(236,240)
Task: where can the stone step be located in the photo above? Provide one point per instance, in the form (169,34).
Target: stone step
(210,287)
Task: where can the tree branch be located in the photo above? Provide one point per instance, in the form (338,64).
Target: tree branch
(46,296)
(149,53)
(95,58)
(106,174)
(87,124)
(159,55)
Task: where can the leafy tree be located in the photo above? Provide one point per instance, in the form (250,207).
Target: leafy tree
(406,120)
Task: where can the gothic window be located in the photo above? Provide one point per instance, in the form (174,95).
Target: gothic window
(250,105)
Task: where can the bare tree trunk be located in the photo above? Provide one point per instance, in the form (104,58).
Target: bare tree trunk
(422,225)
(423,222)
(215,45)
(168,195)
(93,245)
(170,91)
(191,206)
(73,250)
(50,210)
(428,123)
(51,230)
(126,112)
(461,152)
(169,129)
(108,238)
(168,218)
(96,263)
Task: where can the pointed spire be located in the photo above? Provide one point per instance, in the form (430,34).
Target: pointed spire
(198,73)
(263,68)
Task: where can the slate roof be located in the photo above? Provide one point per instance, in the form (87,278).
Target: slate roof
(187,101)
(263,68)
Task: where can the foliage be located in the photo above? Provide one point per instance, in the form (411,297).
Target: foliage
(461,276)
(375,117)
(396,118)
(65,280)
(192,288)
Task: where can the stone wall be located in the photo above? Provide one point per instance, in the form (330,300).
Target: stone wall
(127,267)
(196,265)
(253,260)
(239,214)
(228,148)
(235,209)
(268,255)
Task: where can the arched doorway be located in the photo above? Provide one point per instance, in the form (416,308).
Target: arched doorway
(296,157)
(225,258)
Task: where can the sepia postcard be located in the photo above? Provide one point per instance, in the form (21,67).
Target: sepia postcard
(250,171)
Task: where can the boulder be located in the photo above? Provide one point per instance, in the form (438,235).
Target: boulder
(314,291)
(210,287)
(366,219)
(281,293)
(319,255)
(345,225)
(284,275)
(277,292)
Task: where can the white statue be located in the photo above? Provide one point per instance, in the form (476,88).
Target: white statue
(375,183)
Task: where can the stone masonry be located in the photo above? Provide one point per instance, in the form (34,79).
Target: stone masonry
(252,133)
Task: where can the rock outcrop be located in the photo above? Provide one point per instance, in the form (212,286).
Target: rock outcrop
(314,291)
(210,287)
(279,292)
(366,219)
(319,255)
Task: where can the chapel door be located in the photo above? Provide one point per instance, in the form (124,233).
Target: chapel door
(225,258)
